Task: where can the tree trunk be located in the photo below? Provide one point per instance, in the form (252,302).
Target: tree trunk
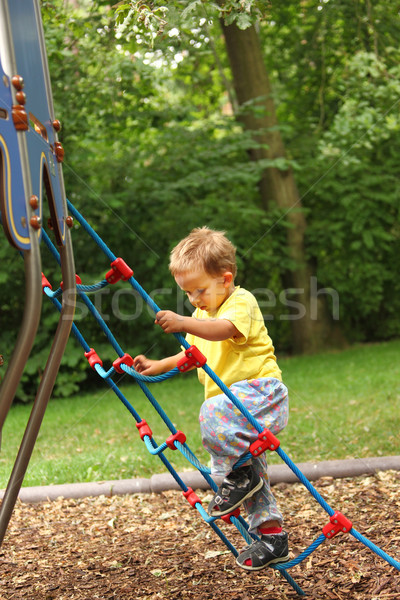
(311,328)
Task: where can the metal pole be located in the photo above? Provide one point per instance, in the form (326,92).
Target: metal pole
(27,332)
(45,387)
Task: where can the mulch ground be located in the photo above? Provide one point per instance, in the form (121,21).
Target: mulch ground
(157,546)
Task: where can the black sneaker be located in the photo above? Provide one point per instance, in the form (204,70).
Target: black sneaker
(270,549)
(239,485)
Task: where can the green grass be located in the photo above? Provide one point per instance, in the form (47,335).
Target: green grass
(342,405)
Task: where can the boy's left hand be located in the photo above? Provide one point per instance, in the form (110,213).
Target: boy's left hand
(170,321)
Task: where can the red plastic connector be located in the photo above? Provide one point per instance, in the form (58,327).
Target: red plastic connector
(227,518)
(338,523)
(193,358)
(119,270)
(126,359)
(45,283)
(179,436)
(192,497)
(266,441)
(93,358)
(77,279)
(144,429)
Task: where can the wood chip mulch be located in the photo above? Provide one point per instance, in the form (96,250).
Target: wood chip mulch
(157,546)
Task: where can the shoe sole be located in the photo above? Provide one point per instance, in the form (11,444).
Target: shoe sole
(271,562)
(222,513)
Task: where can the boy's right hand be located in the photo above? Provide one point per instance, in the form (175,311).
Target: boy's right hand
(146,366)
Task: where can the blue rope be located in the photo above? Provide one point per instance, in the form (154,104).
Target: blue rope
(92,309)
(49,292)
(175,475)
(151,448)
(193,459)
(243,460)
(80,288)
(91,231)
(243,528)
(374,548)
(74,329)
(149,379)
(111,256)
(157,407)
(173,430)
(92,288)
(102,372)
(151,445)
(106,375)
(218,532)
(240,524)
(123,399)
(305,481)
(292,582)
(302,556)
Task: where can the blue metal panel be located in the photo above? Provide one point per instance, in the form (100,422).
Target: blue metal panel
(14,215)
(27,49)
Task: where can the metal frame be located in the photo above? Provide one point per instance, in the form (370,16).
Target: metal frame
(30,162)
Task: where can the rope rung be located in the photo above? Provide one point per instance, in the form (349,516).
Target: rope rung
(77,279)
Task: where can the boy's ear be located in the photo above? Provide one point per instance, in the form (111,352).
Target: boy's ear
(228,278)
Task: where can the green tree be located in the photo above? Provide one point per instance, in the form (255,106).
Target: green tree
(256,112)
(358,199)
(158,138)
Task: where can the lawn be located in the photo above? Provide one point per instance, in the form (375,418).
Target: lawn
(342,405)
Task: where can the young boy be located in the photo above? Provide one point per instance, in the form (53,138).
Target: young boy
(228,328)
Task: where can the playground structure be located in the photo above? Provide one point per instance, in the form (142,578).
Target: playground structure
(30,168)
(30,163)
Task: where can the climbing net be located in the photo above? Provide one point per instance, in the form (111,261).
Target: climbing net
(177,440)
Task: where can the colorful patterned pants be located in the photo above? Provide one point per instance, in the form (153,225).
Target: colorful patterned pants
(227,435)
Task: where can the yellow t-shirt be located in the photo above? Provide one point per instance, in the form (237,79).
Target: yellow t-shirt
(246,357)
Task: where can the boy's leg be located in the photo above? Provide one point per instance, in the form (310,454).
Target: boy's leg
(268,550)
(238,486)
(262,508)
(265,520)
(227,435)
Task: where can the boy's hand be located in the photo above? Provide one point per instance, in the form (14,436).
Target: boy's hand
(146,366)
(170,321)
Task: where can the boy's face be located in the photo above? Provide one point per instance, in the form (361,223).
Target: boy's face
(205,291)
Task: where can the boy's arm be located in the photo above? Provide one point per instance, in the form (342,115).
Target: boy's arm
(147,366)
(214,330)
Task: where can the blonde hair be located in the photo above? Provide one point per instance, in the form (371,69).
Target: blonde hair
(204,249)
